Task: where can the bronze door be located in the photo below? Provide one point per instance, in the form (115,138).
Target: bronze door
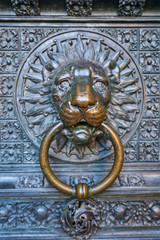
(81,80)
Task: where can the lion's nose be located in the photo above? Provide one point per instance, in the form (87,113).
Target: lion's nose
(83,96)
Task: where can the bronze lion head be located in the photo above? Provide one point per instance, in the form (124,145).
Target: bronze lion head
(81,92)
(82,82)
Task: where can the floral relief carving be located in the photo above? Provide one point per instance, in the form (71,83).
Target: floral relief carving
(6,85)
(131,152)
(149,151)
(149,39)
(115,213)
(152,108)
(7,215)
(9,62)
(30,153)
(26,7)
(79,7)
(152,84)
(74,180)
(11,153)
(149,129)
(131,180)
(25,137)
(137,213)
(109,31)
(9,39)
(32,181)
(149,62)
(6,108)
(10,131)
(128,38)
(29,214)
(30,37)
(37,214)
(50,31)
(131,7)
(45,214)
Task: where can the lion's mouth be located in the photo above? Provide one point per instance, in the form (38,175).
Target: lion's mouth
(82,133)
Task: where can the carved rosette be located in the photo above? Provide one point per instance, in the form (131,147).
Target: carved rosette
(37,98)
(26,7)
(131,7)
(81,219)
(79,8)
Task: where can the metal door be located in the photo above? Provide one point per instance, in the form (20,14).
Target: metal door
(43,39)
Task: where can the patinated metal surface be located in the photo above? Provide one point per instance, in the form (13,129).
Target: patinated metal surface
(79,191)
(26,7)
(79,8)
(131,7)
(83,80)
(29,207)
(81,219)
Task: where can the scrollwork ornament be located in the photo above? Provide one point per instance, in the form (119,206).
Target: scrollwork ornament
(81,219)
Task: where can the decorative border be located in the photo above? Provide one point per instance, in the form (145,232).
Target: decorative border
(40,214)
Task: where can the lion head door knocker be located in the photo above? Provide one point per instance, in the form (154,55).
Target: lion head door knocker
(75,92)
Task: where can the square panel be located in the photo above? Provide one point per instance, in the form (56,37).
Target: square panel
(7,108)
(30,37)
(10,131)
(149,62)
(150,39)
(11,153)
(9,62)
(9,39)
(149,130)
(129,38)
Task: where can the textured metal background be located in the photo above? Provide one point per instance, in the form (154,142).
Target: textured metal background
(29,206)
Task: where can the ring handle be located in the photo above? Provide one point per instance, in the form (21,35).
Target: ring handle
(81,190)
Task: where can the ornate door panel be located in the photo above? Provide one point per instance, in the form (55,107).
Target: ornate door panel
(107,55)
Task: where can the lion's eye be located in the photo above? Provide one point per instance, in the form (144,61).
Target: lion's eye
(64,85)
(100,86)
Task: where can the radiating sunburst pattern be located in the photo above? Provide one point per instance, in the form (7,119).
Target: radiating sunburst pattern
(39,109)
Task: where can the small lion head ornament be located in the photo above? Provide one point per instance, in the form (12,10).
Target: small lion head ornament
(82,83)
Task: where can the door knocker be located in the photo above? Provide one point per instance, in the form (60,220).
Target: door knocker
(82,191)
(77,90)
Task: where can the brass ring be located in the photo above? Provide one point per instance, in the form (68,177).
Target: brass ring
(82,189)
